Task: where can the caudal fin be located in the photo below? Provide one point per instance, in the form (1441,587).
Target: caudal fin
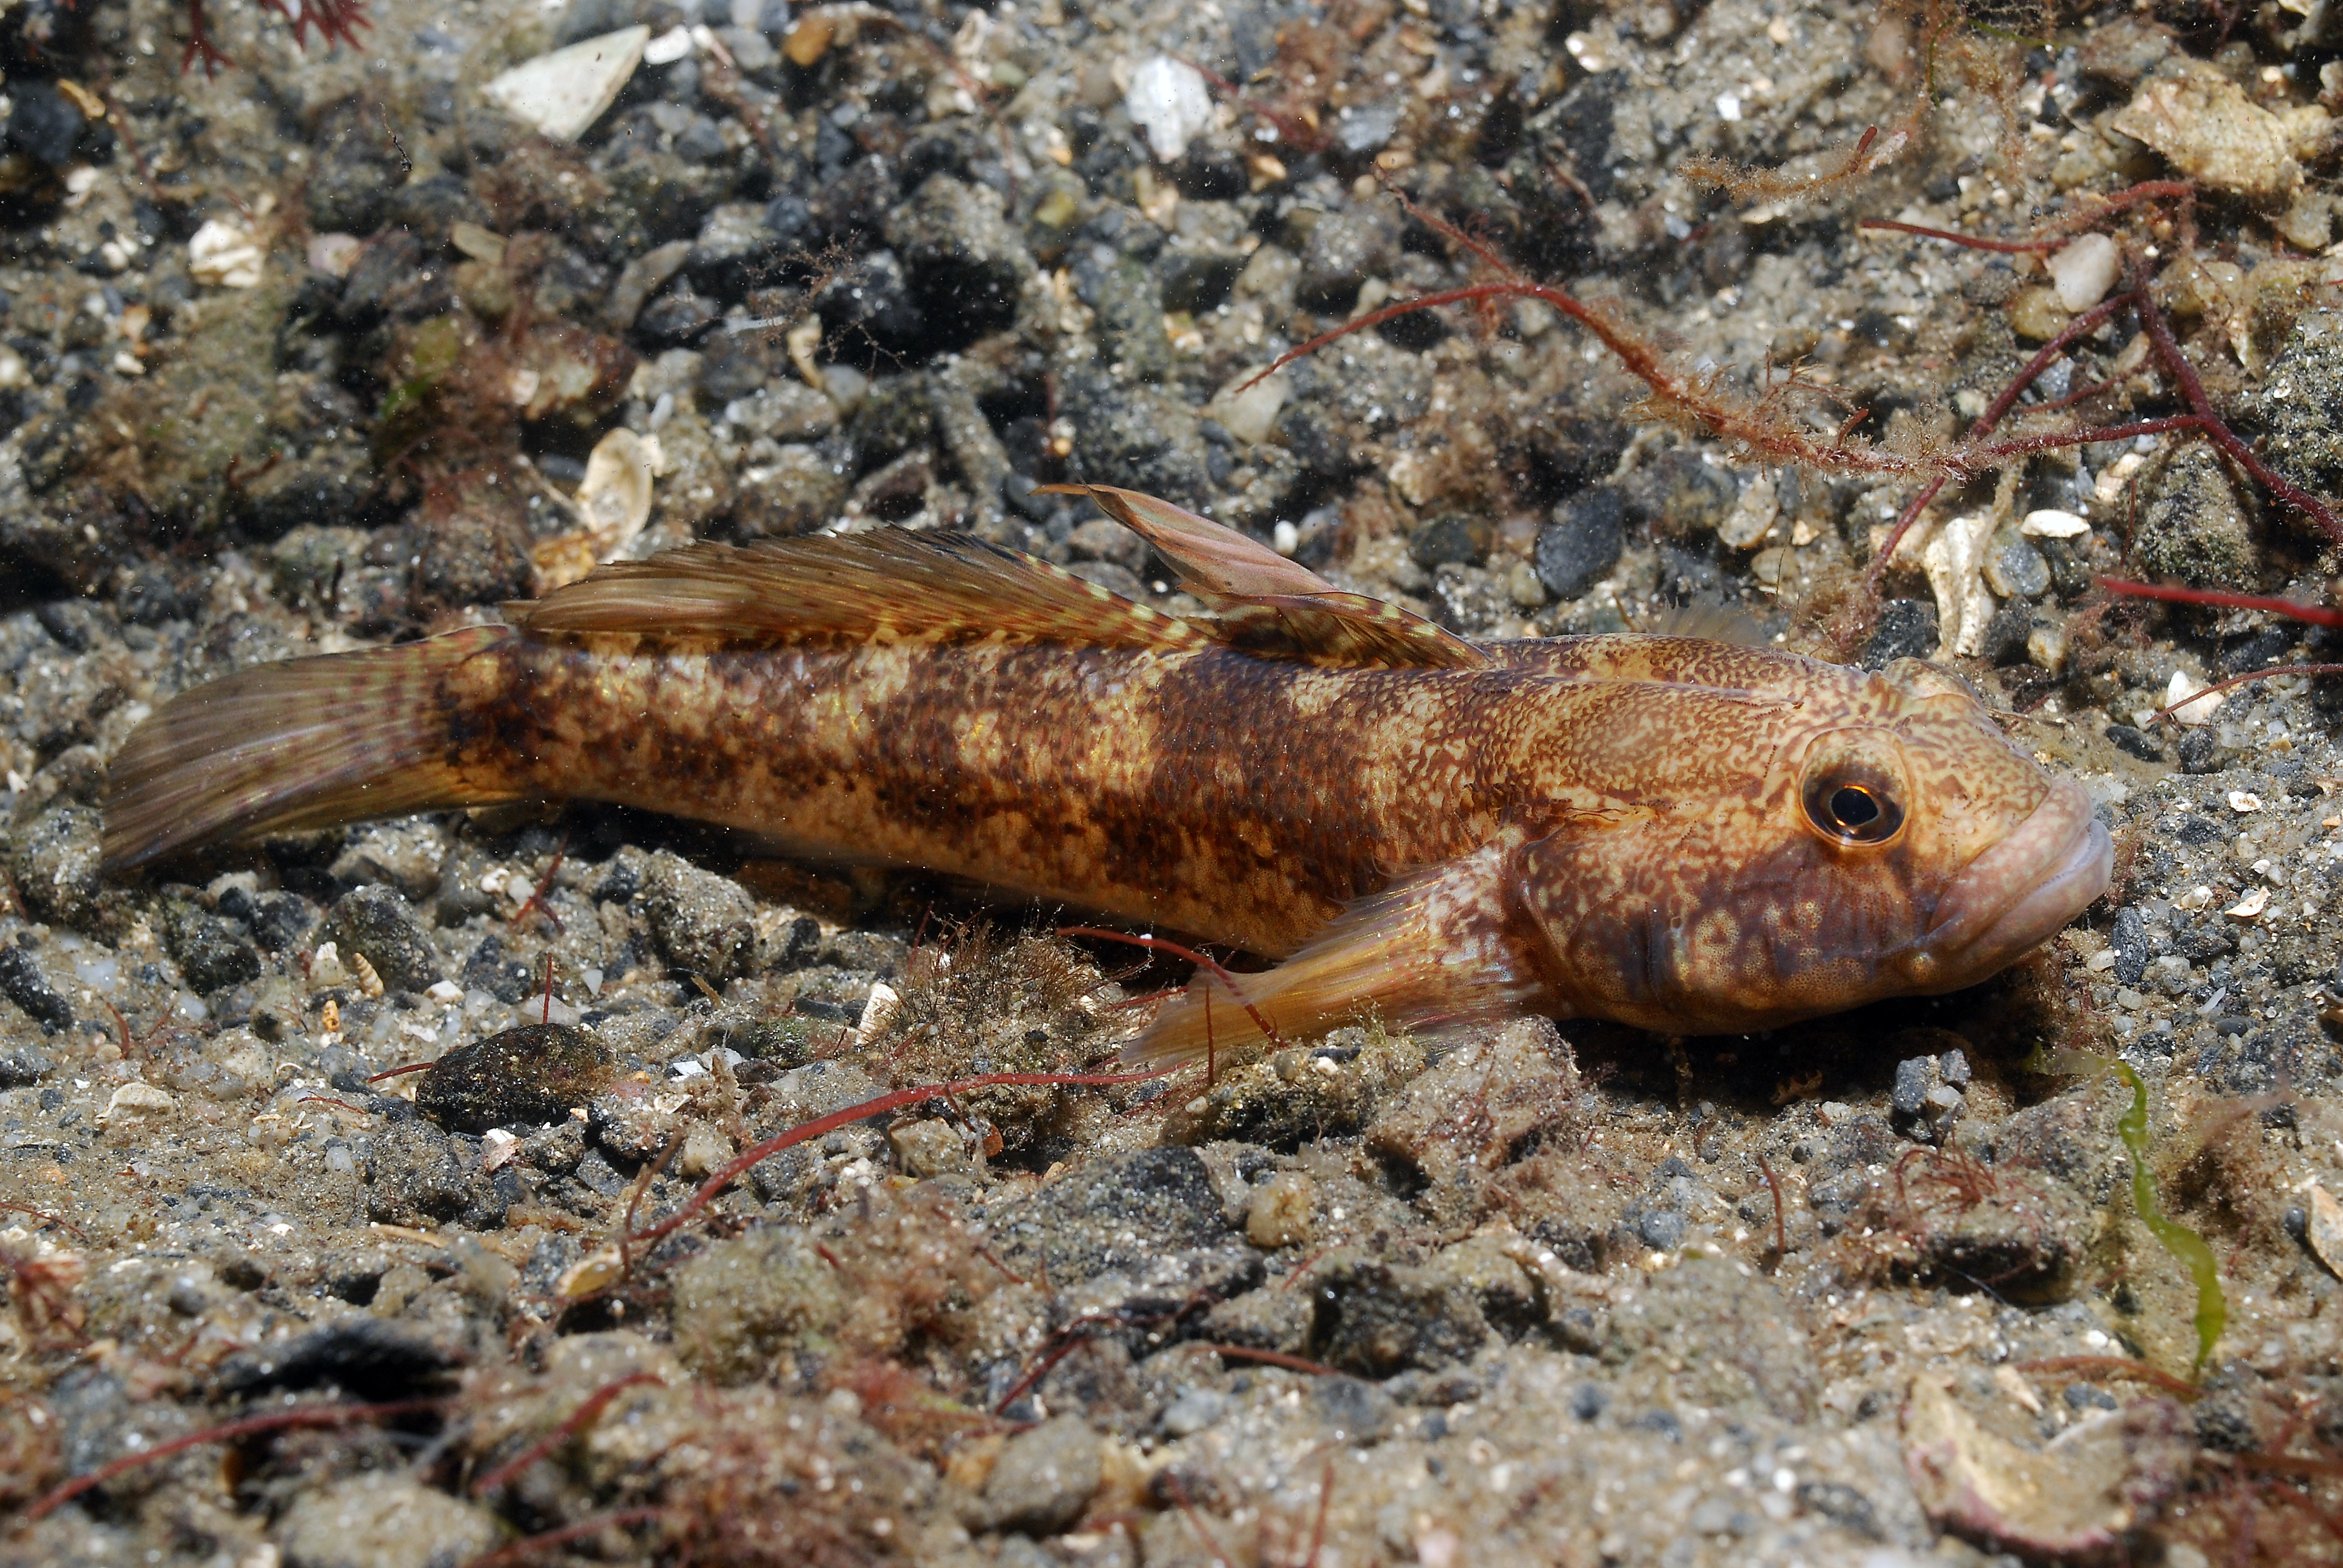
(307,743)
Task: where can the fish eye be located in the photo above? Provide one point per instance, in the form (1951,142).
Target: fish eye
(1854,809)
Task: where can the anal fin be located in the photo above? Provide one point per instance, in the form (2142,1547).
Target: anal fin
(1439,949)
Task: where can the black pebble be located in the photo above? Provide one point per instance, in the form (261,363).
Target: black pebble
(527,1076)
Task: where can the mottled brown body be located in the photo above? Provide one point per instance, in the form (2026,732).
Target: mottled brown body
(1638,828)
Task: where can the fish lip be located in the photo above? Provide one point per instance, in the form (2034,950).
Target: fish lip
(2027,887)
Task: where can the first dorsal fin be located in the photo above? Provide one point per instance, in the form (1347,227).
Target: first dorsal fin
(1273,607)
(887,585)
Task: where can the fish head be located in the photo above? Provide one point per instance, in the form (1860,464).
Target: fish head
(1869,836)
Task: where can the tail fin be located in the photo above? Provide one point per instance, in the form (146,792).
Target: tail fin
(307,743)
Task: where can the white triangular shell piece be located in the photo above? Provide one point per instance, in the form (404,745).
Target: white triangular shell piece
(557,95)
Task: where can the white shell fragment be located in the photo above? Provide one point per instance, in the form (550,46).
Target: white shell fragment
(2325,1228)
(1956,565)
(225,256)
(1250,413)
(2249,907)
(2177,695)
(614,502)
(2242,802)
(1167,99)
(137,1098)
(616,496)
(2049,524)
(2084,271)
(2209,130)
(557,95)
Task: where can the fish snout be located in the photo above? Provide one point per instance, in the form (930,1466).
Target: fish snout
(2019,892)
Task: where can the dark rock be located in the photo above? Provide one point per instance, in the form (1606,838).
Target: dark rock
(1376,1318)
(676,319)
(1573,134)
(1458,538)
(2004,642)
(329,484)
(21,1065)
(490,969)
(737,248)
(44,122)
(1907,630)
(522,1076)
(2200,752)
(2195,526)
(1197,280)
(470,559)
(1842,1504)
(22,982)
(281,922)
(1344,249)
(1571,448)
(1663,1228)
(1116,1212)
(360,1355)
(55,867)
(654,198)
(794,493)
(869,306)
(376,924)
(2128,937)
(434,205)
(966,266)
(1135,436)
(1043,1479)
(1682,495)
(2139,743)
(2299,404)
(703,922)
(353,170)
(210,953)
(1578,549)
(416,1177)
(1914,1077)
(1127,304)
(392,278)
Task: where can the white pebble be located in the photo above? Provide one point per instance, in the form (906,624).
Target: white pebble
(2051,524)
(2241,803)
(1168,100)
(2084,271)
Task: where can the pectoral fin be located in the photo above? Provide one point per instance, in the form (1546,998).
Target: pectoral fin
(1441,948)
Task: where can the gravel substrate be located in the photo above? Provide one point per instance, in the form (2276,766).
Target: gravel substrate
(326,351)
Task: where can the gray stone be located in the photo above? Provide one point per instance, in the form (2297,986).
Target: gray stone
(376,924)
(966,265)
(2195,526)
(54,865)
(703,922)
(22,982)
(1907,629)
(383,1520)
(2013,569)
(1344,250)
(1578,549)
(209,952)
(1043,1479)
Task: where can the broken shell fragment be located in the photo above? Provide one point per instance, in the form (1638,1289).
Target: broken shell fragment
(614,502)
(557,95)
(225,256)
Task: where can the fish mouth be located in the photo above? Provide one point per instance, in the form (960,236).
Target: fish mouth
(2023,889)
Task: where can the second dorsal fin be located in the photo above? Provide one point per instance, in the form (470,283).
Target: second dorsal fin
(887,585)
(1277,607)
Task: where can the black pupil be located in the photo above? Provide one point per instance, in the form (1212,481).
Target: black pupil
(1853,808)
